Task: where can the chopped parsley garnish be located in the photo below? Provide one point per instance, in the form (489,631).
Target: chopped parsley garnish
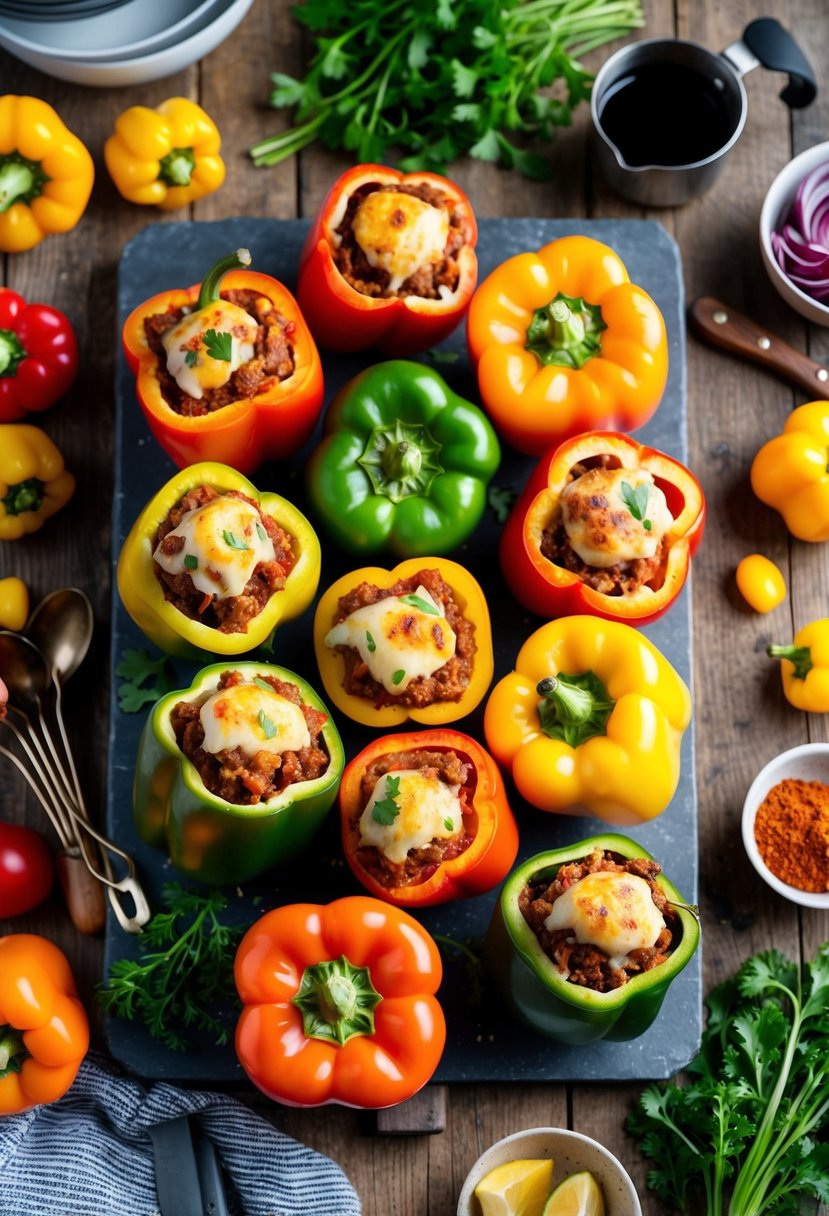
(263,683)
(266,724)
(233,542)
(191,358)
(371,645)
(191,562)
(260,531)
(417,601)
(386,810)
(398,676)
(501,500)
(636,501)
(142,680)
(218,345)
(449,824)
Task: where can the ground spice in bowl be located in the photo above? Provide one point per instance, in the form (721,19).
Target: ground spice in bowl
(791,829)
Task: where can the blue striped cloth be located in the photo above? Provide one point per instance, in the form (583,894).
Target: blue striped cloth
(90,1154)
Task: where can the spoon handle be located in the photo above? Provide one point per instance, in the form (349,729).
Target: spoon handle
(84,895)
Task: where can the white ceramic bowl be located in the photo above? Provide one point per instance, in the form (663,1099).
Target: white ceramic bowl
(571,1153)
(132,31)
(775,208)
(810,762)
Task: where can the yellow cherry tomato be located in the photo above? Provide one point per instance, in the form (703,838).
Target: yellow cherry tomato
(760,583)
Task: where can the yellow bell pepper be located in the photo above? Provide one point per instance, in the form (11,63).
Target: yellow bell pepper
(14,603)
(804,668)
(33,482)
(168,156)
(46,173)
(790,473)
(591,720)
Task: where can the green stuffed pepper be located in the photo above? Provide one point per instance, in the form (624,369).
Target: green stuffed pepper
(585,940)
(404,463)
(236,773)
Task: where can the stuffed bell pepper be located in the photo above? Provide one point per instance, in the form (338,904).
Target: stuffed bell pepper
(563,342)
(236,773)
(213,565)
(425,818)
(791,472)
(409,643)
(226,370)
(605,526)
(591,720)
(389,262)
(585,941)
(339,1004)
(34,484)
(404,463)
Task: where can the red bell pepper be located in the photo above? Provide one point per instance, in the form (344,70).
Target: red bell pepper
(274,422)
(38,356)
(487,829)
(345,319)
(551,590)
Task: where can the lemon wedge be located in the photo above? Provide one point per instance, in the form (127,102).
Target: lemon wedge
(516,1188)
(578,1195)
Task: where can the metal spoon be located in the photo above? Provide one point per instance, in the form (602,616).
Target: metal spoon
(61,628)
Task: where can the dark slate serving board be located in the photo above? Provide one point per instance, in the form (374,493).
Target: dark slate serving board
(484,1043)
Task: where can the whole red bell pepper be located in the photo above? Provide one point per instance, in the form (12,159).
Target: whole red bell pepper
(38,356)
(479,844)
(554,590)
(343,318)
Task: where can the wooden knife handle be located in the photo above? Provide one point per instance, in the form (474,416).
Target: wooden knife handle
(84,894)
(721,325)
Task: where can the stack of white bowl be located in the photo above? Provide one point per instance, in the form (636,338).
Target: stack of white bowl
(115,42)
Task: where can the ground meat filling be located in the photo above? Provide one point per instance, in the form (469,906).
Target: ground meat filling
(233,614)
(238,777)
(273,357)
(622,579)
(426,282)
(448,683)
(588,965)
(420,864)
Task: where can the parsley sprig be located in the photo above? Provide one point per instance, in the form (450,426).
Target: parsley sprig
(386,810)
(184,972)
(636,501)
(439,81)
(219,345)
(143,680)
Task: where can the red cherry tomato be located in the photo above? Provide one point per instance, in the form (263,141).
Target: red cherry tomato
(26,869)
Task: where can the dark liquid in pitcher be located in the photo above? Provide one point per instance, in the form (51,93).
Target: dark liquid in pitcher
(666,114)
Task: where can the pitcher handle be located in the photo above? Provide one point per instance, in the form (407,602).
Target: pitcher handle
(767,43)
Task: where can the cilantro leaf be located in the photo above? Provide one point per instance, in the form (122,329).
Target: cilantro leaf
(233,542)
(371,645)
(191,358)
(263,684)
(417,601)
(260,531)
(386,810)
(636,501)
(219,345)
(399,676)
(266,724)
(449,824)
(191,562)
(143,680)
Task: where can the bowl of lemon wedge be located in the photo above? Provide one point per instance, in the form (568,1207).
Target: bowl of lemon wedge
(548,1171)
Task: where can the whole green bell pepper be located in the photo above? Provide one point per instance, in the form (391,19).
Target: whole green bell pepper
(541,995)
(403,465)
(207,837)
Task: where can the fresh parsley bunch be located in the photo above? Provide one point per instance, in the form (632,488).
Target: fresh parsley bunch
(747,1133)
(432,82)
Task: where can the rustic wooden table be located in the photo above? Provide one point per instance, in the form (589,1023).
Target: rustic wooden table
(741,717)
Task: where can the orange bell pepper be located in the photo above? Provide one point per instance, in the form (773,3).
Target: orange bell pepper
(44,1031)
(791,472)
(563,342)
(385,711)
(339,1004)
(487,821)
(270,425)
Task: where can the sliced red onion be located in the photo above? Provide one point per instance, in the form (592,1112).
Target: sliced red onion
(801,245)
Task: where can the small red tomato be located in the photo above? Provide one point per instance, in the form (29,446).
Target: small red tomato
(26,869)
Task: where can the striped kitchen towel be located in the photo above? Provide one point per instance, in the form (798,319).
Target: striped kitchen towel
(90,1154)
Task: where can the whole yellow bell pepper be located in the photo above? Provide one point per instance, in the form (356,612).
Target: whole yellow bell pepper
(591,720)
(790,473)
(168,156)
(804,668)
(33,481)
(46,173)
(14,603)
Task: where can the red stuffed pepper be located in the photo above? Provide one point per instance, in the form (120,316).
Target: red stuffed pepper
(227,370)
(389,262)
(425,818)
(38,356)
(605,526)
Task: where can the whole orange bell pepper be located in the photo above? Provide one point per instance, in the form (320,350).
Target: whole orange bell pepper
(274,422)
(791,472)
(487,826)
(339,1004)
(44,1031)
(563,342)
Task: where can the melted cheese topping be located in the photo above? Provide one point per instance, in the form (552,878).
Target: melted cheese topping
(400,234)
(398,642)
(613,911)
(428,810)
(226,539)
(599,522)
(253,719)
(187,339)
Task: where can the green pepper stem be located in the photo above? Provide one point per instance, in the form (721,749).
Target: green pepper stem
(573,708)
(565,332)
(16,181)
(176,168)
(11,1046)
(12,352)
(800,656)
(212,281)
(337,1001)
(24,496)
(401,461)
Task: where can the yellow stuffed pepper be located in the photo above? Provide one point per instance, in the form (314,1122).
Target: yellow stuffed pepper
(213,565)
(591,720)
(410,643)
(167,157)
(791,472)
(33,481)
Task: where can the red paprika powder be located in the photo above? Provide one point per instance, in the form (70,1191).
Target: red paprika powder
(792,833)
